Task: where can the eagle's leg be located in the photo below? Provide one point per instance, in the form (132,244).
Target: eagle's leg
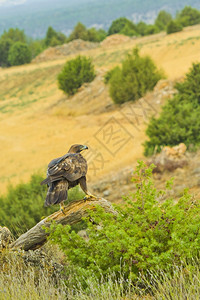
(62,207)
(83,185)
(88,196)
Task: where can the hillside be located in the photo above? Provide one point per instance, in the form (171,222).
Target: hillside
(63,15)
(39,123)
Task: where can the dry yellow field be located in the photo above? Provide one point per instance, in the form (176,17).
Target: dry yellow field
(39,123)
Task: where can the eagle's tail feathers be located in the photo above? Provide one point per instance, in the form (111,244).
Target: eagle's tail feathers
(57,194)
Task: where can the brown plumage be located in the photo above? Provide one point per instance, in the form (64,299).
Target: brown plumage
(64,173)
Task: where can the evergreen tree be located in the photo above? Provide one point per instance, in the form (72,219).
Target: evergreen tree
(5,45)
(173,26)
(137,76)
(19,54)
(75,73)
(79,32)
(163,19)
(122,25)
(179,121)
(15,35)
(188,16)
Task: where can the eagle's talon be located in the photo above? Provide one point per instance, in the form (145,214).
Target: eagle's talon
(62,210)
(87,197)
(62,207)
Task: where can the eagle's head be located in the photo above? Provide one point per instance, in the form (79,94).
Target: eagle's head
(77,148)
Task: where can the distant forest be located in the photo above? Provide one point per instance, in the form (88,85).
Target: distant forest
(16,48)
(35,16)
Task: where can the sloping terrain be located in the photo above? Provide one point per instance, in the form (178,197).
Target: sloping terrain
(38,122)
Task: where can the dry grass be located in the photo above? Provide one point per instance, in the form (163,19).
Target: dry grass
(38,122)
(22,281)
(183,284)
(25,282)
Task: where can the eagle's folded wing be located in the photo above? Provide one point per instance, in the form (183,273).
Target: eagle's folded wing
(71,168)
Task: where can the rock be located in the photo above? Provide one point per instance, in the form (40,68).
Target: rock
(196,171)
(5,237)
(163,84)
(84,235)
(106,193)
(170,159)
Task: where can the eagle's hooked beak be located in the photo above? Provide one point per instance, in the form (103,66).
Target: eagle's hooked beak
(84,147)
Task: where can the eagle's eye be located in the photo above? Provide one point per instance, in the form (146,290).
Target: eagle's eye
(82,147)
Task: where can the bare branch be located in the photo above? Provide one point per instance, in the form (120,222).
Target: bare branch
(73,213)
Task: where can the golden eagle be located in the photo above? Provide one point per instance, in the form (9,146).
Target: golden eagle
(65,172)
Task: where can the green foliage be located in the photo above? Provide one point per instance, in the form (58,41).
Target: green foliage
(189,89)
(17,49)
(110,73)
(15,35)
(19,54)
(54,38)
(75,73)
(146,235)
(8,39)
(23,206)
(142,28)
(146,29)
(5,45)
(173,26)
(179,120)
(163,19)
(129,30)
(188,16)
(36,47)
(137,76)
(94,35)
(152,29)
(81,32)
(123,26)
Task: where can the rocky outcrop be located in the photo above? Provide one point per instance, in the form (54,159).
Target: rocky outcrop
(170,159)
(72,47)
(5,237)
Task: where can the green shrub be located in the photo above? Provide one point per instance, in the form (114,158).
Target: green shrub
(15,35)
(146,235)
(75,73)
(25,49)
(36,47)
(5,45)
(129,30)
(123,26)
(189,89)
(54,38)
(79,32)
(94,35)
(152,29)
(188,16)
(19,54)
(109,74)
(142,28)
(146,29)
(163,19)
(23,206)
(91,34)
(137,76)
(173,26)
(179,121)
